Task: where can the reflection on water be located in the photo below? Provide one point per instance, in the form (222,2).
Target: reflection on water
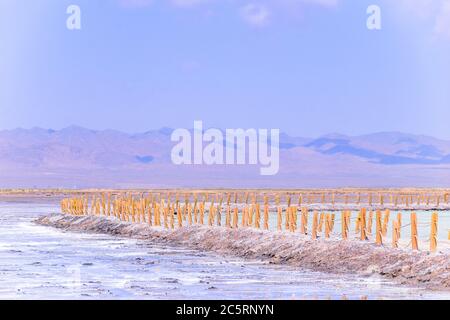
(39,262)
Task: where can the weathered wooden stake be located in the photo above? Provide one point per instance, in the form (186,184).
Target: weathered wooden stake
(287,220)
(379,234)
(414,236)
(258,217)
(314,225)
(395,234)
(363,224)
(304,221)
(433,232)
(228,217)
(279,218)
(385,222)
(321,221)
(344,225)
(327,225)
(369,223)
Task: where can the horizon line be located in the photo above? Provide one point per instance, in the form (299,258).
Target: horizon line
(166,128)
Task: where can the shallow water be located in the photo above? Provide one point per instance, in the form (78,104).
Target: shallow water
(39,262)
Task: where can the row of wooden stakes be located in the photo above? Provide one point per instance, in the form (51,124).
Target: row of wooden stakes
(333,198)
(158,212)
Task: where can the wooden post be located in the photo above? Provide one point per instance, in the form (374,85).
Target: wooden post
(294,219)
(235,217)
(348,219)
(189,212)
(287,218)
(304,221)
(92,204)
(314,225)
(157,210)
(257,216)
(433,232)
(143,210)
(251,210)
(148,209)
(196,209)
(125,209)
(202,213)
(228,218)
(279,218)
(166,217)
(321,221)
(172,216)
(293,223)
(180,217)
(363,224)
(327,225)
(121,209)
(395,230)
(414,236)
(344,225)
(131,206)
(369,223)
(379,235)
(385,222)
(399,224)
(210,215)
(137,211)
(332,222)
(219,212)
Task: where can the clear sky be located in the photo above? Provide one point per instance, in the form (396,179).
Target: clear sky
(308,67)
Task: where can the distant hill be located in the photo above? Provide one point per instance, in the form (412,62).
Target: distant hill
(79,157)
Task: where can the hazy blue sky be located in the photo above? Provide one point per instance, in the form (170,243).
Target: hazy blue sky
(309,67)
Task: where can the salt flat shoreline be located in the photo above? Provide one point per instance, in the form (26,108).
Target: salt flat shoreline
(423,269)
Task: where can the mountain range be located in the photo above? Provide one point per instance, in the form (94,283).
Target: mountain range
(79,157)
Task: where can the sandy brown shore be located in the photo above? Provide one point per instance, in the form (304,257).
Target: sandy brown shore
(430,270)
